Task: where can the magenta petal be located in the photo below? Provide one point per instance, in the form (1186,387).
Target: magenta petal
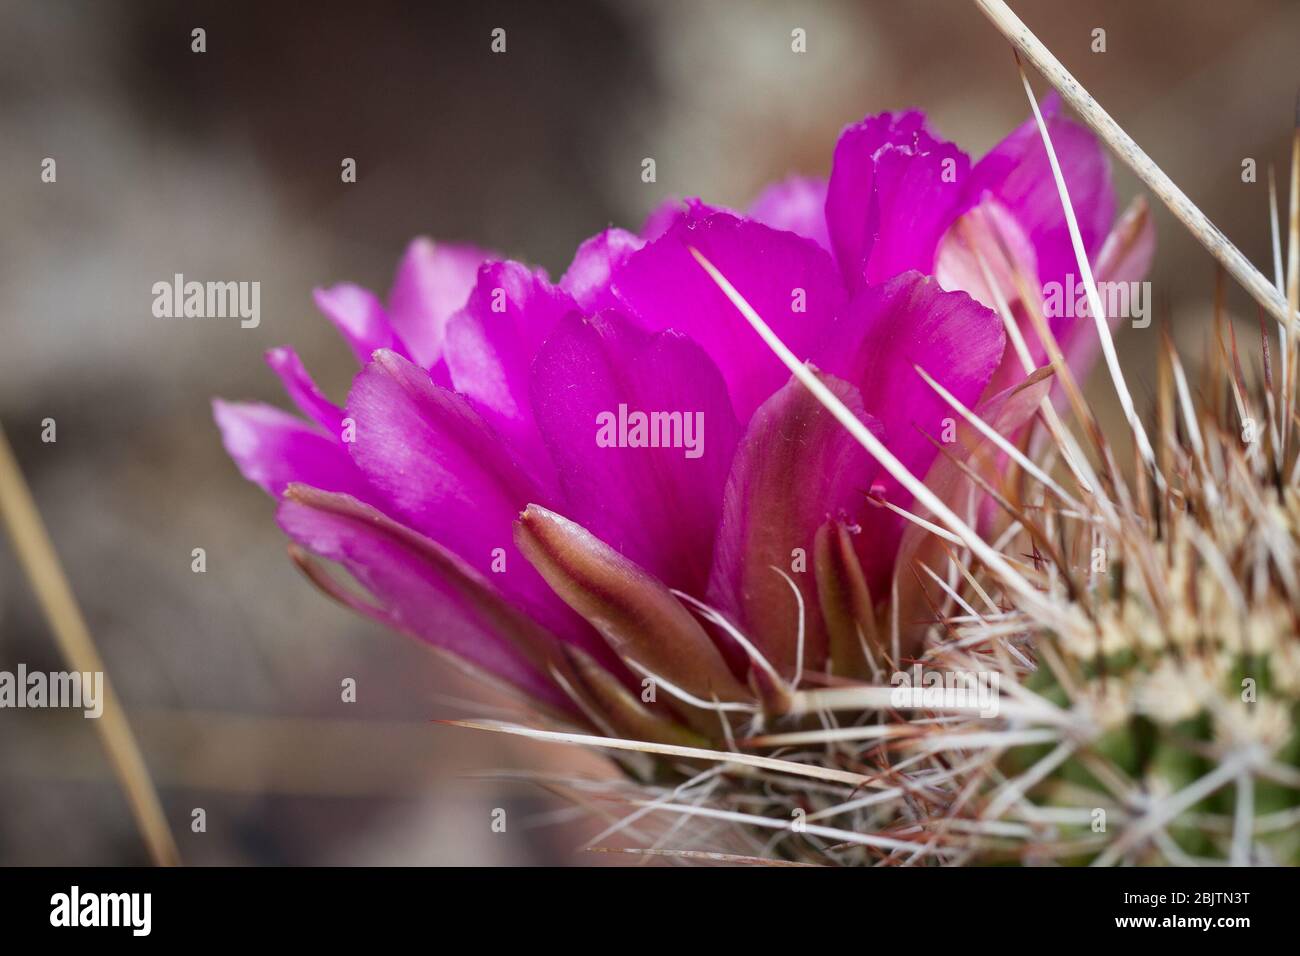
(795,467)
(441,469)
(360,318)
(439,465)
(659,506)
(798,205)
(917,197)
(673,211)
(302,390)
(789,280)
(987,237)
(1018,173)
(491,343)
(911,321)
(857,205)
(432,283)
(662,218)
(595,262)
(273,449)
(421,589)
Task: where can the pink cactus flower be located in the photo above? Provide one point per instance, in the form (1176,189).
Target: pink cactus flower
(577,486)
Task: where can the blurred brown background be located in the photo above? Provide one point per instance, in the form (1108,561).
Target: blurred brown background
(225,165)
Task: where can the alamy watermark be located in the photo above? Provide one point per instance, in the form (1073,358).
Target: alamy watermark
(953,690)
(635,429)
(133,911)
(1121,300)
(59,689)
(179,299)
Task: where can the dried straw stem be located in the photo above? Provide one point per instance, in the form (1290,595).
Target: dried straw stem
(1219,246)
(41,563)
